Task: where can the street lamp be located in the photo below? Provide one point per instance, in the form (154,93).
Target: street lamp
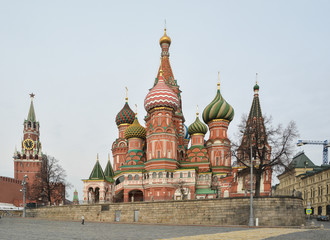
(251,219)
(24,190)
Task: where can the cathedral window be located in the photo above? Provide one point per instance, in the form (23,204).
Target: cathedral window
(154,175)
(160,175)
(181,175)
(207,177)
(136,177)
(158,154)
(167,174)
(130,177)
(189,174)
(171,175)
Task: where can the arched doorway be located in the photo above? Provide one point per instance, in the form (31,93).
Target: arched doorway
(319,210)
(119,197)
(328,210)
(90,195)
(97,195)
(135,196)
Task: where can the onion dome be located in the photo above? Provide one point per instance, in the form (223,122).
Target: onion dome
(256,87)
(197,127)
(161,96)
(165,39)
(185,132)
(218,109)
(126,115)
(135,130)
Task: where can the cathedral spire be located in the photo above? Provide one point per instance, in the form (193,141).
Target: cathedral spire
(31,116)
(255,111)
(165,65)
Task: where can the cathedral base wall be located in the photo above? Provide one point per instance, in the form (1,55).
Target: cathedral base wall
(271,211)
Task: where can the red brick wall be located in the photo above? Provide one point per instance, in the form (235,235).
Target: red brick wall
(10,191)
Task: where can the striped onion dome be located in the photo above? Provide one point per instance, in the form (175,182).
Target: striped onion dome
(126,115)
(161,96)
(197,127)
(185,132)
(135,130)
(218,109)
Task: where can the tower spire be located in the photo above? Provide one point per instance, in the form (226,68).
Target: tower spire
(218,84)
(197,113)
(126,98)
(31,116)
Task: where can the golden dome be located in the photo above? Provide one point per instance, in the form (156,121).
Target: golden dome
(165,39)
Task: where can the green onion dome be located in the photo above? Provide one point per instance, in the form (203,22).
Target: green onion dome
(218,109)
(135,130)
(256,87)
(126,115)
(197,127)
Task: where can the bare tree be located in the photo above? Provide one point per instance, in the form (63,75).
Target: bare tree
(270,147)
(50,183)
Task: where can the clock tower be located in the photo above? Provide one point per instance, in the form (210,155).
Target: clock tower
(28,160)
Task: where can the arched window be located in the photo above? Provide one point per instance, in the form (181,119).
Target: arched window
(130,177)
(160,175)
(167,174)
(181,175)
(207,177)
(136,177)
(171,175)
(189,174)
(154,175)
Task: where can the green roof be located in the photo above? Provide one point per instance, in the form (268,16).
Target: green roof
(31,116)
(97,172)
(108,171)
(301,161)
(205,191)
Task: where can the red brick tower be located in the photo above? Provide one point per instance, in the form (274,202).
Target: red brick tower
(217,115)
(171,82)
(29,160)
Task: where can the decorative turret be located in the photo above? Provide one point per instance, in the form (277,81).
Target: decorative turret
(126,114)
(218,109)
(108,171)
(161,96)
(217,115)
(197,126)
(97,172)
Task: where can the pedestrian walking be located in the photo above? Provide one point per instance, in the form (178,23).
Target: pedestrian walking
(82,220)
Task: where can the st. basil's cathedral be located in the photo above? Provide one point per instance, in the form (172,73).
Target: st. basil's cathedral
(156,162)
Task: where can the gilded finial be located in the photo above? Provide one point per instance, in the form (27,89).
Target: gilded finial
(218,80)
(108,156)
(97,157)
(126,98)
(197,113)
(256,78)
(135,110)
(165,27)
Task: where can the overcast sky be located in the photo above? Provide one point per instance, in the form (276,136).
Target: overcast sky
(78,56)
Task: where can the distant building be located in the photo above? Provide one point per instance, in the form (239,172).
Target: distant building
(75,200)
(156,163)
(27,162)
(304,179)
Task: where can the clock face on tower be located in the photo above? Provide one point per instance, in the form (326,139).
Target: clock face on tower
(28,144)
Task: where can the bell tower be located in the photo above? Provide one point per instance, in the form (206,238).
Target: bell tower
(28,161)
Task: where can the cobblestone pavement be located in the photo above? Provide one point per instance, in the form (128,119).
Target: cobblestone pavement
(28,228)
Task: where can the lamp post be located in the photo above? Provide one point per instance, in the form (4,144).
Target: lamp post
(24,190)
(251,219)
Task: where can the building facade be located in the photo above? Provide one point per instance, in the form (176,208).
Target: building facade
(308,181)
(166,160)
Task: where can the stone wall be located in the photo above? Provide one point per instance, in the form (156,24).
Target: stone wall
(271,211)
(10,191)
